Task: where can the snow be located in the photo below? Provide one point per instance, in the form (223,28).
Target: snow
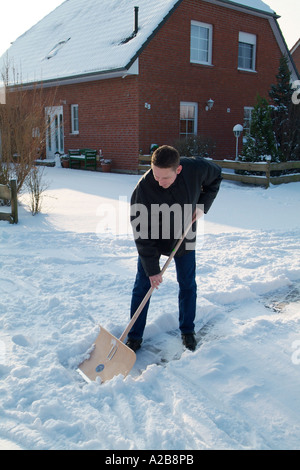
(255,4)
(91,30)
(72,267)
(86,36)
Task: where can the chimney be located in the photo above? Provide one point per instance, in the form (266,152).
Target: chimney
(136,20)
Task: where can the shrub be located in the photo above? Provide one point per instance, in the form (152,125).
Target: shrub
(196,146)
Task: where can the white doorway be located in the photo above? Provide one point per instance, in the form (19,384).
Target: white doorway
(55,131)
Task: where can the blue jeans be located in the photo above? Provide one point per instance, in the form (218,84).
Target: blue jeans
(185,269)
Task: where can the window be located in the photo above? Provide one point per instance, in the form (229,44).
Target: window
(247,51)
(188,119)
(201,43)
(247,121)
(36,132)
(74,119)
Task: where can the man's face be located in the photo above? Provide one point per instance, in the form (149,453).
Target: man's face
(165,176)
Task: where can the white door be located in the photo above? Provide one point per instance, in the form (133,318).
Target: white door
(55,131)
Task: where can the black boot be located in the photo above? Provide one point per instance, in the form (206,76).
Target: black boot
(189,341)
(134,344)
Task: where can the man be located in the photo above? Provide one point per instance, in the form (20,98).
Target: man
(173,190)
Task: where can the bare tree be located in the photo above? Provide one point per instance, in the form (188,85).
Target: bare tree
(23,130)
(36,186)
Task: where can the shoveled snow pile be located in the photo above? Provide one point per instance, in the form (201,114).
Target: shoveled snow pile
(72,267)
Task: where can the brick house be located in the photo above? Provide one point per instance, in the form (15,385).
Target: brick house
(295,53)
(128,77)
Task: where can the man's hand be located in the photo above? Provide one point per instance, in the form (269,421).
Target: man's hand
(155,280)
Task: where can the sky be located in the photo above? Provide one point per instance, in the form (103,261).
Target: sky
(18,16)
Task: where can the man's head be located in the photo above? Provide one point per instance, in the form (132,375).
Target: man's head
(166,166)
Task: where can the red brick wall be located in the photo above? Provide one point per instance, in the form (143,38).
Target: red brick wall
(108,118)
(112,113)
(296,58)
(167,76)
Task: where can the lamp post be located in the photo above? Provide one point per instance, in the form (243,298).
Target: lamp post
(237,130)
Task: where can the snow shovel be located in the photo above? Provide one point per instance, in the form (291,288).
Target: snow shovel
(110,356)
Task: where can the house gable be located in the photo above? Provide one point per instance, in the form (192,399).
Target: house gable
(295,53)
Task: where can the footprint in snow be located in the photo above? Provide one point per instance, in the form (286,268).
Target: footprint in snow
(20,340)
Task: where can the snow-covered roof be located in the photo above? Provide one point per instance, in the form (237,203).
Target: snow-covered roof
(86,37)
(257,5)
(295,46)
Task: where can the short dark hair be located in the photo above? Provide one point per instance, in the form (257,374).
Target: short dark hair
(166,157)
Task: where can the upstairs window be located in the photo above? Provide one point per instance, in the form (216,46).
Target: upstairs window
(74,119)
(201,43)
(247,51)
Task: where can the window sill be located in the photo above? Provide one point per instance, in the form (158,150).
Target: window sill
(74,133)
(247,70)
(200,64)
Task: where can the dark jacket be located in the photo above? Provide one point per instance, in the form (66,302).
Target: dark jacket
(197,183)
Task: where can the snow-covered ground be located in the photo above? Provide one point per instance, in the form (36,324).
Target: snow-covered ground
(72,267)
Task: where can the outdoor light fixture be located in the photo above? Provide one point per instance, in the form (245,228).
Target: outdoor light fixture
(209,104)
(237,130)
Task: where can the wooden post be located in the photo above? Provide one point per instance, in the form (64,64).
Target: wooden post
(14,201)
(10,193)
(268,173)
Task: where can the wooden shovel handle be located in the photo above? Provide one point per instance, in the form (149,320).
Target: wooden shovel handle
(150,291)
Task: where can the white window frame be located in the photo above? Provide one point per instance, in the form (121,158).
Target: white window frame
(195,48)
(74,119)
(194,120)
(247,39)
(247,121)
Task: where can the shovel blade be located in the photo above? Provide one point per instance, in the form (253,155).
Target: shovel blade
(110,357)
